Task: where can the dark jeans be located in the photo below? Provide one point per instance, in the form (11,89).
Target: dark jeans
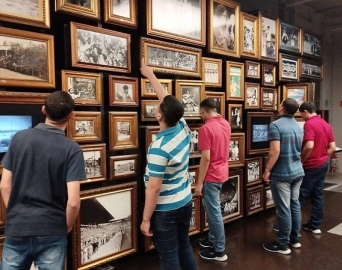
(312,185)
(171,238)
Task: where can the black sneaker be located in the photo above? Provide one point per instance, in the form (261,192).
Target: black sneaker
(211,254)
(275,227)
(308,227)
(205,243)
(275,247)
(295,243)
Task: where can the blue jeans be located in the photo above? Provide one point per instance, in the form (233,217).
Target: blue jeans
(212,207)
(48,252)
(285,195)
(171,238)
(312,185)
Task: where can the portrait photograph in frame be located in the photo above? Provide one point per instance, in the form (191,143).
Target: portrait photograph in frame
(252,70)
(148,109)
(269,40)
(150,135)
(194,152)
(220,101)
(237,150)
(85,127)
(148,91)
(249,35)
(190,93)
(89,9)
(193,175)
(224,19)
(123,128)
(98,215)
(290,38)
(123,91)
(123,166)
(182,20)
(98,48)
(212,71)
(85,88)
(257,132)
(94,162)
(235,116)
(36,13)
(298,92)
(254,199)
(312,45)
(268,75)
(311,69)
(252,94)
(289,68)
(234,81)
(195,220)
(268,198)
(31,62)
(121,12)
(253,171)
(171,58)
(268,98)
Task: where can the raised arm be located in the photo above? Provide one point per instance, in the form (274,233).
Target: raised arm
(149,74)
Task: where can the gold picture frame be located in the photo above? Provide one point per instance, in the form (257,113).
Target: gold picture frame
(91,12)
(312,44)
(249,35)
(289,68)
(268,98)
(253,171)
(235,116)
(148,91)
(123,91)
(127,17)
(235,81)
(290,38)
(194,152)
(148,108)
(220,100)
(84,87)
(252,70)
(269,39)
(123,166)
(237,156)
(252,93)
(299,92)
(22,97)
(123,128)
(212,72)
(94,162)
(311,69)
(254,199)
(268,75)
(150,135)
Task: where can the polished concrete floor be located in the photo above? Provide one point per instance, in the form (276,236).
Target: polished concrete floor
(244,239)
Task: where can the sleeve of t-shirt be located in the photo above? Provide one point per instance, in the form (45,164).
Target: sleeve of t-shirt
(7,160)
(76,168)
(157,160)
(273,132)
(309,133)
(204,139)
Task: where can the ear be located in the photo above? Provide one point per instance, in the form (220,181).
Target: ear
(43,109)
(159,116)
(72,115)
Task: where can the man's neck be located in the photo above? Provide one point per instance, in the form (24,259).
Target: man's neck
(312,114)
(61,126)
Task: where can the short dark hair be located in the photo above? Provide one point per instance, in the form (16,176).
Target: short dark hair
(59,105)
(220,9)
(290,106)
(309,106)
(208,104)
(171,109)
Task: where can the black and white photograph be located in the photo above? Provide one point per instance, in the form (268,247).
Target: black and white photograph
(230,197)
(235,116)
(194,142)
(289,69)
(150,110)
(234,150)
(84,127)
(122,8)
(190,99)
(211,72)
(193,216)
(260,133)
(268,72)
(268,48)
(311,45)
(253,171)
(24,8)
(123,92)
(81,88)
(312,70)
(149,88)
(123,167)
(290,38)
(81,3)
(255,200)
(248,37)
(92,163)
(252,97)
(124,131)
(269,198)
(192,178)
(268,99)
(252,70)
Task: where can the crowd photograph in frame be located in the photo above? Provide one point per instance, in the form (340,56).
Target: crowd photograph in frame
(257,132)
(85,88)
(235,79)
(269,202)
(98,48)
(193,175)
(311,69)
(123,91)
(231,197)
(170,58)
(235,116)
(254,200)
(190,93)
(249,35)
(252,94)
(252,70)
(89,9)
(311,45)
(289,68)
(194,152)
(212,72)
(224,19)
(269,41)
(237,150)
(148,109)
(123,166)
(123,128)
(36,13)
(85,127)
(298,92)
(100,218)
(122,12)
(150,135)
(195,220)
(268,75)
(148,91)
(177,20)
(290,38)
(253,171)
(219,99)
(268,98)
(94,162)
(28,60)
(22,98)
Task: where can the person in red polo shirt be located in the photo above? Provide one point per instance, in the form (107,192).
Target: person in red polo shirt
(318,145)
(213,142)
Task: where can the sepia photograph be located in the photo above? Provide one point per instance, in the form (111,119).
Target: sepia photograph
(311,45)
(92,163)
(235,116)
(253,171)
(122,12)
(147,89)
(84,127)
(252,95)
(268,39)
(123,91)
(290,38)
(123,166)
(148,110)
(268,75)
(124,131)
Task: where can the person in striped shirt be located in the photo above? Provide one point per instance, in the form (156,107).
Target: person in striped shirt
(168,198)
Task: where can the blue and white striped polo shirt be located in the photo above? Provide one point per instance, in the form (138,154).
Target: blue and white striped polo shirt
(168,158)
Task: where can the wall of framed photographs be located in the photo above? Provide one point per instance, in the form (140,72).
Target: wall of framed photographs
(247,62)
